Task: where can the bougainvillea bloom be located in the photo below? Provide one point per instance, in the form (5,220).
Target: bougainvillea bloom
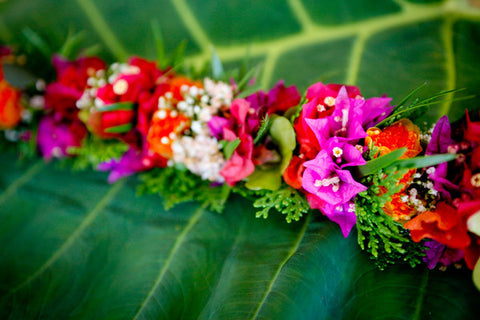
(473,130)
(323,178)
(343,153)
(321,103)
(10,104)
(345,121)
(343,215)
(398,135)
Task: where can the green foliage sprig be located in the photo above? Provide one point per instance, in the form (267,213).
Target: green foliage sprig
(386,240)
(177,185)
(286,200)
(94,151)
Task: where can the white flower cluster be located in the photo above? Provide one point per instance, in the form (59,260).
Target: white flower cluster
(425,137)
(422,204)
(200,152)
(201,155)
(88,99)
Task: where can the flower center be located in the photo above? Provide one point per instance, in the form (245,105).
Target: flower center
(332,181)
(329,101)
(337,152)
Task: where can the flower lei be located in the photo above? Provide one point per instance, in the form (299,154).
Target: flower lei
(352,158)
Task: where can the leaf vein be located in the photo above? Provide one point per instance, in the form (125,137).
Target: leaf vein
(280,267)
(89,218)
(191,223)
(27,176)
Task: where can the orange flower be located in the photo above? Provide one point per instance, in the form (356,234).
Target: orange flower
(178,82)
(401,134)
(444,225)
(165,126)
(396,207)
(10,104)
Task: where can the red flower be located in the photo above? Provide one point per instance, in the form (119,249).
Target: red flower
(10,104)
(473,130)
(141,76)
(72,76)
(103,123)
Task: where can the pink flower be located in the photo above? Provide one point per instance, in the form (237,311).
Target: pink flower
(240,165)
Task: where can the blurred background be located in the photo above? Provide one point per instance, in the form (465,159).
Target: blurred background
(383,46)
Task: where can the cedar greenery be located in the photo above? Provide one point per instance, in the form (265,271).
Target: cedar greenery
(384,238)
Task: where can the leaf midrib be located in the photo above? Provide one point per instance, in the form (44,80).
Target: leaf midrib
(292,251)
(166,265)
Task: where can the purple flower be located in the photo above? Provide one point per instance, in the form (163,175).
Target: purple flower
(345,121)
(441,137)
(343,153)
(433,253)
(216,125)
(439,144)
(131,162)
(375,110)
(55,137)
(323,178)
(437,252)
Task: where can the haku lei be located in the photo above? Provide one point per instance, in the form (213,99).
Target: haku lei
(413,195)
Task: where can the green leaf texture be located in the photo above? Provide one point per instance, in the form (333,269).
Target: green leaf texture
(74,247)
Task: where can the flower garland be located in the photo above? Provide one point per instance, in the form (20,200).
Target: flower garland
(413,196)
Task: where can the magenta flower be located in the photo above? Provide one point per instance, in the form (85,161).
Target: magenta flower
(441,137)
(345,121)
(55,137)
(216,125)
(343,215)
(375,110)
(343,153)
(323,178)
(131,162)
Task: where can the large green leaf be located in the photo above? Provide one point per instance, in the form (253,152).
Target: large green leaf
(74,247)
(384,46)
